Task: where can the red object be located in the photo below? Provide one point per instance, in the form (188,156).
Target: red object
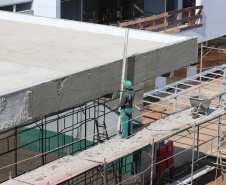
(169,152)
(161,165)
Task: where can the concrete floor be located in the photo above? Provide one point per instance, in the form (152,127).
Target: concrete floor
(31,54)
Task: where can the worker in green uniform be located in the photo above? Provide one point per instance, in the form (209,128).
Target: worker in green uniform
(126,105)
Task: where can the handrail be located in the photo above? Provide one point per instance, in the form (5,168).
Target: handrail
(169,20)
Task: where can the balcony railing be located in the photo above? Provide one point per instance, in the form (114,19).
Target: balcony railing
(169,22)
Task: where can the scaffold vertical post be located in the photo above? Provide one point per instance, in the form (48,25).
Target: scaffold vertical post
(193,152)
(105,175)
(152,160)
(123,72)
(175,99)
(198,142)
(200,77)
(222,97)
(15,154)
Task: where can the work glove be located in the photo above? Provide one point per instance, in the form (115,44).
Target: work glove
(114,108)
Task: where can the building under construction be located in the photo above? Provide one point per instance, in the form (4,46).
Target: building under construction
(59,83)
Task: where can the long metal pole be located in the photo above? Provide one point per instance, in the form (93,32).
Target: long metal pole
(152,160)
(198,142)
(105,177)
(123,72)
(193,154)
(15,154)
(200,78)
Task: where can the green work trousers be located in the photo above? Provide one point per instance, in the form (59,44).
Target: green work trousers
(126,122)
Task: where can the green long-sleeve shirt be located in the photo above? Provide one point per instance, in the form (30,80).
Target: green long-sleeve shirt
(127,99)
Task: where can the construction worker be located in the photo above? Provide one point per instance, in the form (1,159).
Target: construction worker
(126,105)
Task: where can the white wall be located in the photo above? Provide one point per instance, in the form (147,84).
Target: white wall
(47,8)
(214,21)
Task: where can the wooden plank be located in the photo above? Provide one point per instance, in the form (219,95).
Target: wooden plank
(130,23)
(171,22)
(156,27)
(185,19)
(191,27)
(184,29)
(163,15)
(138,8)
(177,30)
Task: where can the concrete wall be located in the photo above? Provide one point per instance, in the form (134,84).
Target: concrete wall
(11,2)
(47,8)
(214,18)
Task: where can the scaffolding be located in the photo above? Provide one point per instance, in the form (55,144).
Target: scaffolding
(118,161)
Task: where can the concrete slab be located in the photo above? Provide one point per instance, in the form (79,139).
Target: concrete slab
(59,64)
(57,171)
(36,54)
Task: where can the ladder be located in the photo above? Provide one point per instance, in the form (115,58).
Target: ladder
(101,132)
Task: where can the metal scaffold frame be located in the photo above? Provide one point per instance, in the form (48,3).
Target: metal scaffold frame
(55,144)
(115,171)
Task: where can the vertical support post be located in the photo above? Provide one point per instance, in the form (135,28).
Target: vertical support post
(15,148)
(14,8)
(152,160)
(189,15)
(198,142)
(45,140)
(120,170)
(58,139)
(105,175)
(85,124)
(123,72)
(218,139)
(159,160)
(165,24)
(175,100)
(193,154)
(43,161)
(200,77)
(153,24)
(222,97)
(177,20)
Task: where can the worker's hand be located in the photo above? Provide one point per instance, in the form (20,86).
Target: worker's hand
(114,108)
(141,110)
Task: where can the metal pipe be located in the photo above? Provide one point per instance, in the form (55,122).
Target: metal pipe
(58,139)
(152,160)
(198,143)
(14,8)
(193,152)
(15,154)
(123,73)
(200,78)
(105,177)
(85,124)
(43,162)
